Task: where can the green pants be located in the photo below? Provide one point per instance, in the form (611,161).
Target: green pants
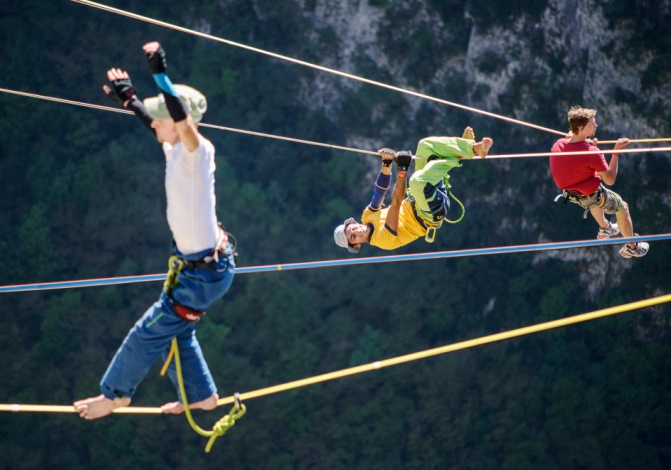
(436,156)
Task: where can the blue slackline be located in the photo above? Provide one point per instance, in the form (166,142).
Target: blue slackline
(497,250)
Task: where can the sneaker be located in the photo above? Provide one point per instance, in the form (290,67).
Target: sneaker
(639,251)
(609,232)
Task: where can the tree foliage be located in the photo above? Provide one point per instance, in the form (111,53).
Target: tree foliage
(84,197)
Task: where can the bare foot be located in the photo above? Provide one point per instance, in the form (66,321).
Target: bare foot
(175,407)
(468,133)
(481,148)
(100,406)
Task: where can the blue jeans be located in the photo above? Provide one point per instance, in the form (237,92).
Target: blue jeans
(152,334)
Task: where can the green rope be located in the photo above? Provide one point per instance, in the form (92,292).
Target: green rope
(463,210)
(175,265)
(224,424)
(221,426)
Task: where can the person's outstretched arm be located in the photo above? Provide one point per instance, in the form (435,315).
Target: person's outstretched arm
(187,130)
(610,175)
(403,159)
(383,179)
(124,93)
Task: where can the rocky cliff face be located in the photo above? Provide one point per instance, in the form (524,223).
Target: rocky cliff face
(529,61)
(523,65)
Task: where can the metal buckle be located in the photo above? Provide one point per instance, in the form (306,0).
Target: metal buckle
(430,234)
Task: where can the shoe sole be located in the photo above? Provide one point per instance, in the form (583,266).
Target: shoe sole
(606,237)
(626,255)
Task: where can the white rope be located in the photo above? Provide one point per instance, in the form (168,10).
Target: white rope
(320,144)
(308,64)
(587,152)
(633,141)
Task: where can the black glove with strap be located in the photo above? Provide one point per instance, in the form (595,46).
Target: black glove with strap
(387,156)
(125,94)
(403,160)
(121,91)
(156,61)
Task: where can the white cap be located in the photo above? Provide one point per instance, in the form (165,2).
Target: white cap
(341,239)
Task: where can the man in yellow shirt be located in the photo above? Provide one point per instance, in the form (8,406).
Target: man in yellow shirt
(422,209)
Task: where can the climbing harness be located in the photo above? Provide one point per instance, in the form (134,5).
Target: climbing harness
(602,198)
(177,263)
(431,229)
(175,266)
(221,426)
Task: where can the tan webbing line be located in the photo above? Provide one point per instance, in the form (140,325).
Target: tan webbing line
(331,146)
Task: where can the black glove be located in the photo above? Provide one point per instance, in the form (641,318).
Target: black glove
(121,91)
(156,61)
(403,160)
(386,159)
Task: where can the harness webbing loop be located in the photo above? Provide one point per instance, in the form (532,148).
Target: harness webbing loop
(175,265)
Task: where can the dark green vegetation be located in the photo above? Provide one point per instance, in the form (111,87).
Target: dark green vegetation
(83,197)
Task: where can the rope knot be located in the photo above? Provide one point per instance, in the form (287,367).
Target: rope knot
(224,424)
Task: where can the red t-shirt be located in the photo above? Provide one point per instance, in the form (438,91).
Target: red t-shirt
(577,172)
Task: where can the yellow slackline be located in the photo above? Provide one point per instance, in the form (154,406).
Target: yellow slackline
(221,426)
(15,407)
(585,317)
(450,348)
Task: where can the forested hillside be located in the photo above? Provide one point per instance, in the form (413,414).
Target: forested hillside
(84,197)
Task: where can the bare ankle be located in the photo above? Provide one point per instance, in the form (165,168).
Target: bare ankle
(99,406)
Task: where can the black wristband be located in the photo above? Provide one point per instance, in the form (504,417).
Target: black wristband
(140,111)
(176,107)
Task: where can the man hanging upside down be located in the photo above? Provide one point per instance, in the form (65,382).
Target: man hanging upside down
(202,268)
(421,210)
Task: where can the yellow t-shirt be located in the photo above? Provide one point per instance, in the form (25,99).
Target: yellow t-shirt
(409,229)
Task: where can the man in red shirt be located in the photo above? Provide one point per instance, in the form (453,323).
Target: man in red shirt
(581,179)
